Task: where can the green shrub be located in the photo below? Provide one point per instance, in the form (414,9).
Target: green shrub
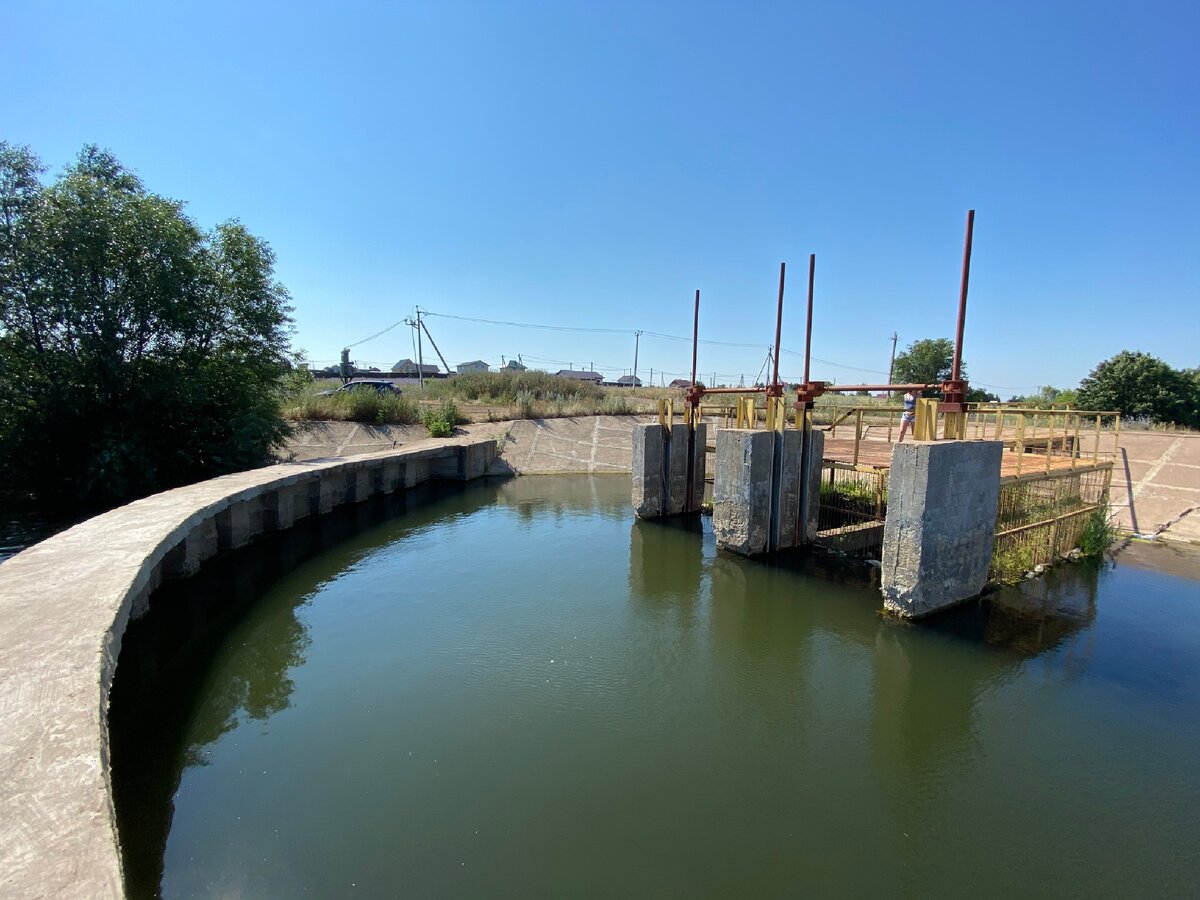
(441,419)
(1097,535)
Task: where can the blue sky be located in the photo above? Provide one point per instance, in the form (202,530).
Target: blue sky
(592,164)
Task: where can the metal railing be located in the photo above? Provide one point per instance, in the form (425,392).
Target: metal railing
(1040,517)
(853,506)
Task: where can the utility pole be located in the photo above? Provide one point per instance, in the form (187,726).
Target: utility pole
(637,339)
(892,365)
(651,376)
(420,353)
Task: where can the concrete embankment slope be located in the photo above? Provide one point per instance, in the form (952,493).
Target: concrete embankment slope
(1156,485)
(587,444)
(64,605)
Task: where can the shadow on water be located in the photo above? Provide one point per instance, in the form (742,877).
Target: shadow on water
(165,708)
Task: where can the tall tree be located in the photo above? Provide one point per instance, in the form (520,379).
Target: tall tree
(1138,384)
(927,361)
(136,351)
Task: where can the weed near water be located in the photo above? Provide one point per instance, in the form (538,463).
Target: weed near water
(1098,535)
(441,419)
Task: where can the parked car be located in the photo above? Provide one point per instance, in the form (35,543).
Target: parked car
(379,385)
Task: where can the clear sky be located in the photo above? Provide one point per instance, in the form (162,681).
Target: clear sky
(592,164)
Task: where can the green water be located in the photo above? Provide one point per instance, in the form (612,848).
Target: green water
(516,690)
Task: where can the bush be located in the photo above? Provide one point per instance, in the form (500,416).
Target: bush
(137,352)
(441,419)
(1098,535)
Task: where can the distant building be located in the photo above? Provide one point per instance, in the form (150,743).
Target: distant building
(680,383)
(625,381)
(409,369)
(514,366)
(475,365)
(579,375)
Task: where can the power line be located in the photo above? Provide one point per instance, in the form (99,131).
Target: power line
(656,334)
(532,325)
(376,334)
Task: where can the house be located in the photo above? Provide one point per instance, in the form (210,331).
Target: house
(579,375)
(625,381)
(680,383)
(410,369)
(475,365)
(514,366)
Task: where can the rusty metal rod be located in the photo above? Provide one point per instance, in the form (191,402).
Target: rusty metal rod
(962,297)
(846,388)
(778,324)
(695,336)
(812,266)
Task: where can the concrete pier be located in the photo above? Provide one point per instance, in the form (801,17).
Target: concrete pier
(761,483)
(940,526)
(660,470)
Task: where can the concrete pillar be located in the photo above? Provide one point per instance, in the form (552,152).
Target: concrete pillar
(742,490)
(941,522)
(757,493)
(660,470)
(675,499)
(699,466)
(393,476)
(358,485)
(332,487)
(786,468)
(649,501)
(812,475)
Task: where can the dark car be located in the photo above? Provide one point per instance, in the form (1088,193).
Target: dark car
(379,385)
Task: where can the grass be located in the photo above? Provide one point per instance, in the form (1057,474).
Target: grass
(353,406)
(503,388)
(504,396)
(1098,534)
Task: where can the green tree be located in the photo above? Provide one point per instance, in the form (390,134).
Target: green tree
(136,351)
(1049,395)
(1138,384)
(927,361)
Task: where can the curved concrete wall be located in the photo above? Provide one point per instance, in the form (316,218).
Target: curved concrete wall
(64,605)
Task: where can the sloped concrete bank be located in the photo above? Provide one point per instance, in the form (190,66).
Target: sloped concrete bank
(64,606)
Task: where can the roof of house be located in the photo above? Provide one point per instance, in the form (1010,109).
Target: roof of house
(680,382)
(426,368)
(580,375)
(474,362)
(629,379)
(513,364)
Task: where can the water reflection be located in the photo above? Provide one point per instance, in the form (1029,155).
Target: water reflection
(501,693)
(166,710)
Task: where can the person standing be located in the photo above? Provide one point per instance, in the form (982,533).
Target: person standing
(910,414)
